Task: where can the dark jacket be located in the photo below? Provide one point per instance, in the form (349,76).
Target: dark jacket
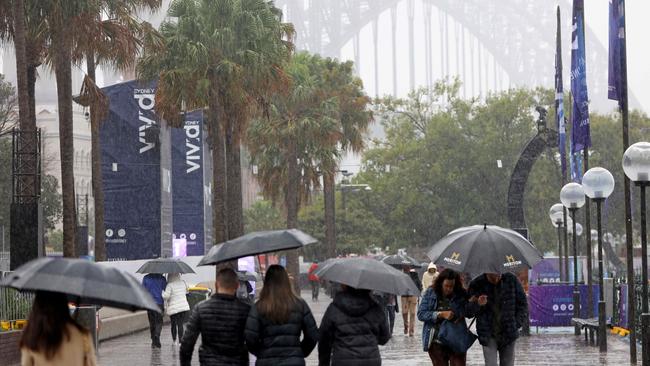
(428,312)
(220,321)
(279,344)
(513,309)
(351,330)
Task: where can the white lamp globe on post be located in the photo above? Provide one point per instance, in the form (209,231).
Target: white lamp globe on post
(556,213)
(636,164)
(598,184)
(573,197)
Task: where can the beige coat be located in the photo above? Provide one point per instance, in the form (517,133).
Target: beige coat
(427,280)
(76,350)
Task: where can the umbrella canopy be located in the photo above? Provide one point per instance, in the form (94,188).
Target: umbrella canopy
(84,282)
(248,276)
(367,274)
(255,243)
(484,249)
(401,261)
(165,265)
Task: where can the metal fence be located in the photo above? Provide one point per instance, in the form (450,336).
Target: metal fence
(4,261)
(14,305)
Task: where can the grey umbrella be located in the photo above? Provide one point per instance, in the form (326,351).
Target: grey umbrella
(248,276)
(255,243)
(368,274)
(165,265)
(484,249)
(401,261)
(84,282)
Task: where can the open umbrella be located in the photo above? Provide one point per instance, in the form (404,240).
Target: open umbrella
(255,243)
(84,282)
(400,261)
(165,265)
(368,274)
(484,249)
(248,276)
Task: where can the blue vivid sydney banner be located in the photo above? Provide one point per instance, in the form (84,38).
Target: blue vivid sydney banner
(131,172)
(187,183)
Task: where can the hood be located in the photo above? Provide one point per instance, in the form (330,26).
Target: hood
(354,302)
(432,266)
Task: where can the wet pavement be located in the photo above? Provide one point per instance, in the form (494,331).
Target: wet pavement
(556,348)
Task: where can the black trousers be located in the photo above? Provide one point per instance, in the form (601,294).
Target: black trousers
(178,321)
(155,326)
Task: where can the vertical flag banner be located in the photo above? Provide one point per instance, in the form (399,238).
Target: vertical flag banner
(187,183)
(580,135)
(559,97)
(131,172)
(616,37)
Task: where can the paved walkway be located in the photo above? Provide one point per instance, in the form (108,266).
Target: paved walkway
(539,349)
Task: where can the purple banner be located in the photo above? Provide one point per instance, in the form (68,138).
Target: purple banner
(580,134)
(622,307)
(552,305)
(545,271)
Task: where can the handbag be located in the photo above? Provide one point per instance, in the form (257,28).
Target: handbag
(456,336)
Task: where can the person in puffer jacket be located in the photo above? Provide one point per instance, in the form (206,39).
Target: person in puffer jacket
(352,329)
(220,320)
(176,304)
(276,322)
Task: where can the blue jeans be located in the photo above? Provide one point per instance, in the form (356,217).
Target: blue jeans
(506,354)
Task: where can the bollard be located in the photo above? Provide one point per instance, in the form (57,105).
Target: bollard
(602,331)
(576,309)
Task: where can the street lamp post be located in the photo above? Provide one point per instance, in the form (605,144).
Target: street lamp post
(636,164)
(573,197)
(556,213)
(598,184)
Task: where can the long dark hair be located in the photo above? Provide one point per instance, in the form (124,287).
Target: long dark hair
(448,274)
(47,324)
(277,298)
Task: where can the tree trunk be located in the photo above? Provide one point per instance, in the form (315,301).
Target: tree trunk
(291,203)
(21,66)
(330,213)
(31,93)
(219,217)
(63,73)
(96,157)
(233,183)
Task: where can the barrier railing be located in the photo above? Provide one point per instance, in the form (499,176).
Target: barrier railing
(14,308)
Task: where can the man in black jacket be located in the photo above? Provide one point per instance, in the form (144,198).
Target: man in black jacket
(220,321)
(499,303)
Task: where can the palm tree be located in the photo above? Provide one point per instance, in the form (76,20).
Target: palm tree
(225,55)
(285,142)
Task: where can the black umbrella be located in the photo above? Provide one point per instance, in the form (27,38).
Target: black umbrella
(368,274)
(255,243)
(401,261)
(84,282)
(165,265)
(484,249)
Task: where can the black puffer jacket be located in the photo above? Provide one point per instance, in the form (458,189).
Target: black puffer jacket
(351,329)
(220,321)
(513,308)
(279,344)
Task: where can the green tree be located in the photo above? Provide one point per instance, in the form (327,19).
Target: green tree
(226,55)
(8,101)
(262,215)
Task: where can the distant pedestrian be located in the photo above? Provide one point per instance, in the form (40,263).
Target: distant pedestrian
(277,321)
(410,303)
(177,307)
(155,283)
(500,305)
(429,276)
(51,337)
(314,281)
(351,330)
(389,302)
(245,291)
(220,321)
(444,300)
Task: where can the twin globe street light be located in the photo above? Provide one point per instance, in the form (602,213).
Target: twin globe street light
(636,164)
(573,197)
(556,213)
